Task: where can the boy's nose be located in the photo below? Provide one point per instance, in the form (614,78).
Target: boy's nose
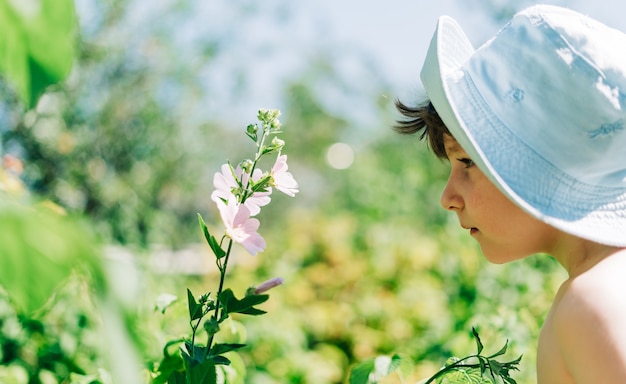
(450,198)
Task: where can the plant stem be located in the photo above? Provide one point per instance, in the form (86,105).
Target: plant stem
(222,269)
(257,156)
(457,364)
(193,336)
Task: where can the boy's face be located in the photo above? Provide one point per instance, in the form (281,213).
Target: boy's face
(504,231)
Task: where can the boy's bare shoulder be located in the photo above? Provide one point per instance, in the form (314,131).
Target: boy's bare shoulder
(589,320)
(595,295)
(598,286)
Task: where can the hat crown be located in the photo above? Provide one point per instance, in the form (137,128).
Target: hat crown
(557,79)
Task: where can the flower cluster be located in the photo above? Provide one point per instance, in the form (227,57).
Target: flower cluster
(241,191)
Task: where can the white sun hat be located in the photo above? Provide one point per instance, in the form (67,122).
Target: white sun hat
(541,109)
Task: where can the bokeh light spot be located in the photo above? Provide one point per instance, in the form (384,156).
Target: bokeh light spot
(340,156)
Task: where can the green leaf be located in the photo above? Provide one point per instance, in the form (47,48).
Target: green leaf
(251,132)
(177,378)
(479,344)
(195,309)
(495,367)
(502,351)
(168,365)
(196,354)
(231,304)
(262,184)
(402,364)
(394,364)
(222,348)
(385,365)
(164,301)
(167,346)
(360,373)
(464,376)
(481,363)
(220,360)
(201,372)
(38,42)
(213,243)
(39,250)
(512,363)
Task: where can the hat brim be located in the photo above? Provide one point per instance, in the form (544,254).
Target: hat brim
(449,49)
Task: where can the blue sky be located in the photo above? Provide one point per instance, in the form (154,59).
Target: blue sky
(397,32)
(272,41)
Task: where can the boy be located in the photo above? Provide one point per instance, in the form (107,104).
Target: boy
(533,124)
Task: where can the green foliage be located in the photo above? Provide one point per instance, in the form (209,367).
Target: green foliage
(245,305)
(372,370)
(37,242)
(56,343)
(473,369)
(37,42)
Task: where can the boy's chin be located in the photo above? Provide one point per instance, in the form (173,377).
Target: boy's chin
(500,257)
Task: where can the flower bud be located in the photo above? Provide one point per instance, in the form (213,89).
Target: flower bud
(275,125)
(262,115)
(277,144)
(204,299)
(252,129)
(246,165)
(269,117)
(267,285)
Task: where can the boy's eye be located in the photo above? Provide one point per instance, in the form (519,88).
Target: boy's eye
(467,162)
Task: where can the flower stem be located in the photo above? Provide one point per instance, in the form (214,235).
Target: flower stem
(222,268)
(257,156)
(194,329)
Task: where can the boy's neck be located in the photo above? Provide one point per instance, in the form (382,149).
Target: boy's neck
(578,255)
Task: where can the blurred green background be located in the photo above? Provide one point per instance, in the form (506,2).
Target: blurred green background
(126,144)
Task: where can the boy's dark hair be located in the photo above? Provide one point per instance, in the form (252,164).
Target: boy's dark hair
(423,118)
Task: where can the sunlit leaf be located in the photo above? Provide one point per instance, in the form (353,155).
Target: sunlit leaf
(195,309)
(215,246)
(479,344)
(164,301)
(464,376)
(245,306)
(38,251)
(201,372)
(221,360)
(360,373)
(222,348)
(38,41)
(168,365)
(502,351)
(177,378)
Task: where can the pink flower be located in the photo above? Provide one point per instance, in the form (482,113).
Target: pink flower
(283,180)
(240,226)
(226,185)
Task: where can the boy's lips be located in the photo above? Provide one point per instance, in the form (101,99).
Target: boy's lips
(472,230)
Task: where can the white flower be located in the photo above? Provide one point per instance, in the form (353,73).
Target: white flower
(281,179)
